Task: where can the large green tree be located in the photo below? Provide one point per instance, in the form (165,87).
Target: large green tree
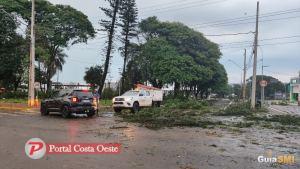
(109,26)
(57,27)
(12,54)
(180,52)
(128,24)
(274,85)
(93,75)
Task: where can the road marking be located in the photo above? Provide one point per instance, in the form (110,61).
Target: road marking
(280,111)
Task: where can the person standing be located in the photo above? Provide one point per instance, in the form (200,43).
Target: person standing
(97,96)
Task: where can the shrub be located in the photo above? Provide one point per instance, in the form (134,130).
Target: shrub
(282,119)
(185,104)
(108,93)
(239,109)
(163,116)
(14,95)
(49,94)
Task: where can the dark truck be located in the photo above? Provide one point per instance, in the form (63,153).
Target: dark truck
(69,102)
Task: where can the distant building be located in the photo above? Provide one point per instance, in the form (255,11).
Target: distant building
(279,96)
(71,85)
(295,89)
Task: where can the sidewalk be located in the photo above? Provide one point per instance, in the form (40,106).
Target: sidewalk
(18,107)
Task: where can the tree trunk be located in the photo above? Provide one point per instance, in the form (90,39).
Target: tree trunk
(176,89)
(48,81)
(125,60)
(17,83)
(201,94)
(41,87)
(109,47)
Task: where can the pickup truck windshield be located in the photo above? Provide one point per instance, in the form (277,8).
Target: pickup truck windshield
(131,93)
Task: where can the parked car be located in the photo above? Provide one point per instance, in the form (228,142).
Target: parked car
(136,99)
(69,102)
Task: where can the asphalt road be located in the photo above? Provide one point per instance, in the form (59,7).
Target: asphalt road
(174,148)
(290,109)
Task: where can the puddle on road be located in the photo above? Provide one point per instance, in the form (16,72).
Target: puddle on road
(107,114)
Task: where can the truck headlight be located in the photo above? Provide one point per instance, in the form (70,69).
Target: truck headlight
(128,99)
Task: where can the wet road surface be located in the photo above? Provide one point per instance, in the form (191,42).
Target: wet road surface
(182,148)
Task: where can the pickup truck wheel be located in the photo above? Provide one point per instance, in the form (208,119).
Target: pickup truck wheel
(91,114)
(65,112)
(158,104)
(117,110)
(44,110)
(135,107)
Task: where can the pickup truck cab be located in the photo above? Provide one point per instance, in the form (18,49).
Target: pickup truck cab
(136,99)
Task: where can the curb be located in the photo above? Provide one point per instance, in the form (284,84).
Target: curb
(23,109)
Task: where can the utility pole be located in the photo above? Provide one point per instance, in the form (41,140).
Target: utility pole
(262,87)
(253,92)
(244,77)
(32,59)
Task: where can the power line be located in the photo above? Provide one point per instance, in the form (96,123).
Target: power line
(268,39)
(161,10)
(282,43)
(268,44)
(261,21)
(168,4)
(232,34)
(249,17)
(276,73)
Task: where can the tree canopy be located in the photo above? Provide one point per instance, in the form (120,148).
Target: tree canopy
(57,27)
(274,85)
(12,54)
(93,75)
(176,54)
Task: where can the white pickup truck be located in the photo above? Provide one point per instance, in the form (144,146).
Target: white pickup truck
(135,99)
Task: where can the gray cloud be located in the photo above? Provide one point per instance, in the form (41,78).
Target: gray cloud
(283,59)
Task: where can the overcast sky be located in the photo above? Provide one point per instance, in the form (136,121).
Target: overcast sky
(279,34)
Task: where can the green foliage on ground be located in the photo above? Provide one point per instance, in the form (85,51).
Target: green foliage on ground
(184,104)
(173,113)
(165,117)
(281,123)
(105,102)
(240,109)
(282,119)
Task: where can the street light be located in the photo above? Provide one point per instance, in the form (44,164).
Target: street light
(242,85)
(235,63)
(262,92)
